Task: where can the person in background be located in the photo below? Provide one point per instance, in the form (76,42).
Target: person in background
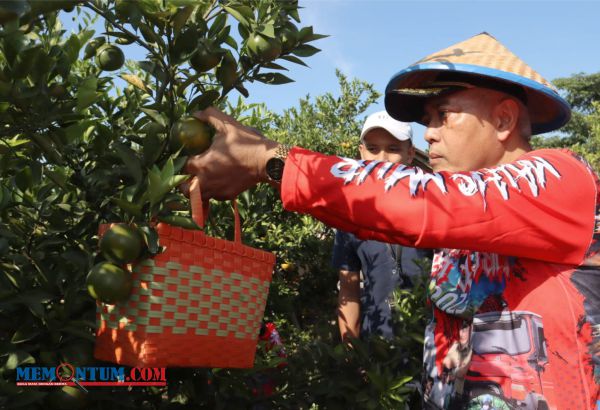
(365,310)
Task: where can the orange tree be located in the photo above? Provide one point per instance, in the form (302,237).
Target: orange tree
(582,133)
(86,138)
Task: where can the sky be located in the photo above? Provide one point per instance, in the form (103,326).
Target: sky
(372,39)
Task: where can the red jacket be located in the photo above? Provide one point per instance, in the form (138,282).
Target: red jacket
(518,267)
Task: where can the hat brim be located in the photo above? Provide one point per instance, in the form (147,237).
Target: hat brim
(547,110)
(383,127)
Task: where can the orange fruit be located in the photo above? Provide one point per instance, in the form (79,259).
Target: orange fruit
(121,244)
(263,48)
(109,57)
(109,283)
(191,134)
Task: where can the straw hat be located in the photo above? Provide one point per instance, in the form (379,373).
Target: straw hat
(480,61)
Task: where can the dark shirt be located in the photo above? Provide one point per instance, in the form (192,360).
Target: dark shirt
(384,267)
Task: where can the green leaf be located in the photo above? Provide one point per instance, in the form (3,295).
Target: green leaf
(203,101)
(128,207)
(238,15)
(44,65)
(314,37)
(149,35)
(294,59)
(167,171)
(180,18)
(74,328)
(273,78)
(17,359)
(305,32)
(244,31)
(179,220)
(274,66)
(156,188)
(223,35)
(85,36)
(268,30)
(72,47)
(178,164)
(400,382)
(131,160)
(294,14)
(185,44)
(156,116)
(80,131)
(305,50)
(217,25)
(242,90)
(86,94)
(153,69)
(152,147)
(177,180)
(34,300)
(24,333)
(230,41)
(26,61)
(151,239)
(58,177)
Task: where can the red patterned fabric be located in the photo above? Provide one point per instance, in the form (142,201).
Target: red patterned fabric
(515,284)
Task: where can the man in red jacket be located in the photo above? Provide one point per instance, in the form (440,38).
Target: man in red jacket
(515,285)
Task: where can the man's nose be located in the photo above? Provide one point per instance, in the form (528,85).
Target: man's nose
(431,135)
(382,156)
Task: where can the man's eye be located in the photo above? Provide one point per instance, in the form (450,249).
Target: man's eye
(394,149)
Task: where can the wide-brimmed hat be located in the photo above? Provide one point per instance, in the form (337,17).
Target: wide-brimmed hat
(480,61)
(402,131)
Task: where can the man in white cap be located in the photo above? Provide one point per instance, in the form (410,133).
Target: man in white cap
(518,230)
(384,266)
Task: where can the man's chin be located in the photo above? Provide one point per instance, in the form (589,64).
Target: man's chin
(437,165)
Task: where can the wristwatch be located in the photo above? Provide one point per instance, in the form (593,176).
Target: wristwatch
(275,164)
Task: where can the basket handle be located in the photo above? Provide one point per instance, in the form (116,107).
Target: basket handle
(200,209)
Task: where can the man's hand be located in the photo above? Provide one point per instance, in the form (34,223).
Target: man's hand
(234,162)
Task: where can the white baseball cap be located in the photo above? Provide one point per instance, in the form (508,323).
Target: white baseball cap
(402,131)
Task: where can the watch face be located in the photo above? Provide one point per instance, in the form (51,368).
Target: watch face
(274,169)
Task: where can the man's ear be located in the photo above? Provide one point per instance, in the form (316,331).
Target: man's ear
(411,154)
(361,150)
(506,118)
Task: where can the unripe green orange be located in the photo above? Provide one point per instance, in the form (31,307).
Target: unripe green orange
(191,134)
(263,48)
(109,283)
(204,58)
(121,244)
(109,57)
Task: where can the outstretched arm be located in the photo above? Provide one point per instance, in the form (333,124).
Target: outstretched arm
(541,206)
